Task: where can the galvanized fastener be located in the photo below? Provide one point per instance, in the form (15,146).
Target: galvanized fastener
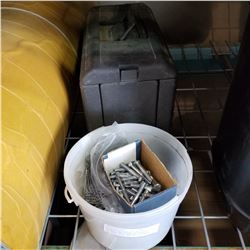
(135,190)
(119,170)
(123,188)
(138,193)
(132,185)
(135,169)
(125,175)
(129,178)
(129,191)
(143,196)
(145,174)
(129,170)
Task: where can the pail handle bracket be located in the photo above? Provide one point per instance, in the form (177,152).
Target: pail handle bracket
(67,195)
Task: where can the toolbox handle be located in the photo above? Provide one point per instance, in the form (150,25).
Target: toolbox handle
(129,20)
(125,34)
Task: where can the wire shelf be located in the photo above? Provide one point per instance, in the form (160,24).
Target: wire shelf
(204,77)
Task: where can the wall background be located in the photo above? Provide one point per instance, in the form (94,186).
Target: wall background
(198,22)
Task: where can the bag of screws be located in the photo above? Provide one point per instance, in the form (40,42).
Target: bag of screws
(96,187)
(138,177)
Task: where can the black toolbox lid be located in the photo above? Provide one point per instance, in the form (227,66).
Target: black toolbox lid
(124,43)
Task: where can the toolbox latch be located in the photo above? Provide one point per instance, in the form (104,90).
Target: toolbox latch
(128,74)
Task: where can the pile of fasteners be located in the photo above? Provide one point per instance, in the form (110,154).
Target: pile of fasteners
(133,182)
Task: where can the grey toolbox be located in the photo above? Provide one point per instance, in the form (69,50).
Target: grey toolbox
(127,74)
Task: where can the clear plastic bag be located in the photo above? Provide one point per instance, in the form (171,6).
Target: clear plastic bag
(97,186)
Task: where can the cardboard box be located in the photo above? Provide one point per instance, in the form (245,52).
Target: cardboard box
(139,150)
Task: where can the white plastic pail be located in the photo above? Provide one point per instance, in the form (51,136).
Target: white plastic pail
(130,231)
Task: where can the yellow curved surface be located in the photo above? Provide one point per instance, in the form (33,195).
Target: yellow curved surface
(39,45)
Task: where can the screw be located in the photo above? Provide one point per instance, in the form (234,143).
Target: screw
(138,193)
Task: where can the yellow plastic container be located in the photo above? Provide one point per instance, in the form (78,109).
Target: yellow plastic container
(39,44)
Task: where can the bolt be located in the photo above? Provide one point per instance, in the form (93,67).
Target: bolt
(129,191)
(116,184)
(138,193)
(123,188)
(146,175)
(119,170)
(140,179)
(132,185)
(135,190)
(148,195)
(130,182)
(135,169)
(143,196)
(125,175)
(130,178)
(149,188)
(156,187)
(112,176)
(131,197)
(129,170)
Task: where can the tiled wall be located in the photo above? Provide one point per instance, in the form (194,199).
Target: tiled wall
(228,21)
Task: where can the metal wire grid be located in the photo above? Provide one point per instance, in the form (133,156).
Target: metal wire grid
(226,61)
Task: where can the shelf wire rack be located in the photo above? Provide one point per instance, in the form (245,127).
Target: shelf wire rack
(204,77)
